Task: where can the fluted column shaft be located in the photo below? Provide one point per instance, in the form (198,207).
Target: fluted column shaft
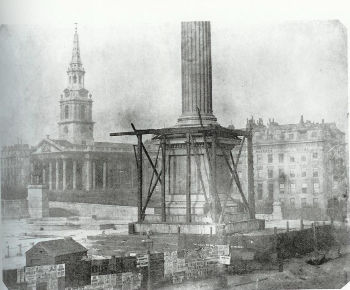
(94,175)
(74,174)
(50,175)
(104,174)
(57,174)
(64,175)
(196,67)
(88,174)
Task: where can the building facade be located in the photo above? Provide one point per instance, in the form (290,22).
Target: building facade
(302,166)
(15,171)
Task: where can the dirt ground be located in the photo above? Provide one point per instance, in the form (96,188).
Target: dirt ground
(297,274)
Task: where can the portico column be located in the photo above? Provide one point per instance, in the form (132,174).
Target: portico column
(57,174)
(93,174)
(44,175)
(64,169)
(74,174)
(50,175)
(104,174)
(88,174)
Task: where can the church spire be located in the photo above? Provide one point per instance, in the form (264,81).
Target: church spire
(76,60)
(75,70)
(75,124)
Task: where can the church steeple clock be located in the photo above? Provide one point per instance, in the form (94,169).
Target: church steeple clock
(76,125)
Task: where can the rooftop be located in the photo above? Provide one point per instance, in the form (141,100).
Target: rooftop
(61,247)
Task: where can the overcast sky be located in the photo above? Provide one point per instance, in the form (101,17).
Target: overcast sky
(133,71)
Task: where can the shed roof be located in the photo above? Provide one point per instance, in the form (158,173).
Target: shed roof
(61,247)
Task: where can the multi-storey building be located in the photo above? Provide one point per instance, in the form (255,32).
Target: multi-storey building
(301,166)
(15,171)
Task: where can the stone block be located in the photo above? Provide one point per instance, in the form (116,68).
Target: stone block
(38,201)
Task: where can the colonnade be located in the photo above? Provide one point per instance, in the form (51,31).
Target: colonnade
(58,170)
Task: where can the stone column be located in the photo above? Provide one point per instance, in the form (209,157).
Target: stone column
(93,174)
(88,174)
(64,177)
(104,174)
(50,175)
(57,174)
(196,73)
(74,174)
(44,175)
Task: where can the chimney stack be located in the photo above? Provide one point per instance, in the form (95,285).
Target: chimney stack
(196,74)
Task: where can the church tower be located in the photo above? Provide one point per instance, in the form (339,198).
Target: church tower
(76,125)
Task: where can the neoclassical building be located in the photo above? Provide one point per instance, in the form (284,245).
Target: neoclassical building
(74,166)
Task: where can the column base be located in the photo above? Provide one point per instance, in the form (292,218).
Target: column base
(188,120)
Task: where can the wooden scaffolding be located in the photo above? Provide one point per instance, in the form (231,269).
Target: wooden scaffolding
(209,135)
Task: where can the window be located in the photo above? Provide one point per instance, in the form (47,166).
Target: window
(315,172)
(315,202)
(314,134)
(260,173)
(302,135)
(303,158)
(292,187)
(281,188)
(282,136)
(292,159)
(316,188)
(79,79)
(260,191)
(292,172)
(281,157)
(74,79)
(303,202)
(314,155)
(65,129)
(269,137)
(240,175)
(270,188)
(270,173)
(258,159)
(269,158)
(292,202)
(66,112)
(304,188)
(281,173)
(303,172)
(291,136)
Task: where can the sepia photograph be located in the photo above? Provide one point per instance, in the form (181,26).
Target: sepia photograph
(174,145)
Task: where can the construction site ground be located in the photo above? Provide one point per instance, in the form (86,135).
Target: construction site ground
(108,237)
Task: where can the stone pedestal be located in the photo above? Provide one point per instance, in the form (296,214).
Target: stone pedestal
(277,211)
(208,184)
(38,201)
